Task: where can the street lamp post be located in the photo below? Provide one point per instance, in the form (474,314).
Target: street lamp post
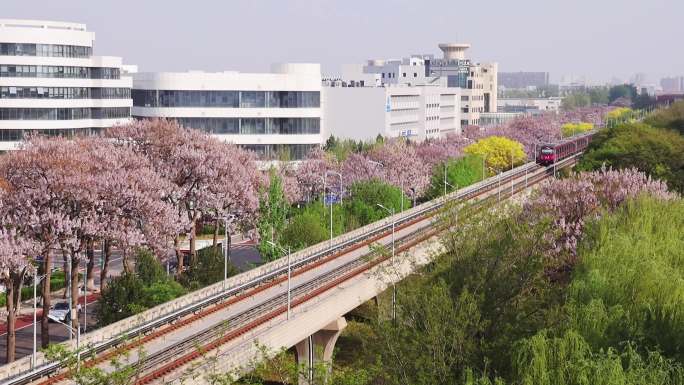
(445,177)
(68,288)
(499,180)
(36,279)
(331,203)
(85,295)
(484,159)
(225,251)
(394,287)
(511,169)
(289,275)
(76,331)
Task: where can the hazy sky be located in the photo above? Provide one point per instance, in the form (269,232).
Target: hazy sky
(599,39)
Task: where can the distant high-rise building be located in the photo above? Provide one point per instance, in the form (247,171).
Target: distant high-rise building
(639,80)
(523,79)
(672,84)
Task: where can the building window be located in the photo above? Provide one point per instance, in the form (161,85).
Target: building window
(50,50)
(63,113)
(31,71)
(226,99)
(415,74)
(64,93)
(403,74)
(254,126)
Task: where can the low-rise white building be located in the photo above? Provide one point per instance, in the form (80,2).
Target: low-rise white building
(477,81)
(275,114)
(51,84)
(415,112)
(530,105)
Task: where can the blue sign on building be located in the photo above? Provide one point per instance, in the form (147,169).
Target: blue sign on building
(388,106)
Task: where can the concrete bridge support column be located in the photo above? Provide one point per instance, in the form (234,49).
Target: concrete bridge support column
(318,348)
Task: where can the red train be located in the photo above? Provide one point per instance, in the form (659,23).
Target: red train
(550,153)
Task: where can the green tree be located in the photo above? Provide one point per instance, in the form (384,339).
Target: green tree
(622,91)
(304,230)
(208,269)
(657,152)
(643,101)
(599,95)
(460,172)
(576,100)
(569,360)
(671,117)
(133,293)
(365,197)
(463,313)
(628,286)
(121,298)
(273,212)
(147,268)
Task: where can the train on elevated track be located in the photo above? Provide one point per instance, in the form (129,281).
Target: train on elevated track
(550,153)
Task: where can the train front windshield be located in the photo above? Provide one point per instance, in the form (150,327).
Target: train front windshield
(547,151)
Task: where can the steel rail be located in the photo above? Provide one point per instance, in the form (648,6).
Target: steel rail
(404,218)
(424,233)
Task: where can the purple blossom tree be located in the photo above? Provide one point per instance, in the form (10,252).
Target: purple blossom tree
(16,252)
(571,202)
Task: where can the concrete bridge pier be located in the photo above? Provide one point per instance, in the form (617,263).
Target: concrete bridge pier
(318,347)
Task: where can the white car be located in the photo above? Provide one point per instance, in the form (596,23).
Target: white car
(59,312)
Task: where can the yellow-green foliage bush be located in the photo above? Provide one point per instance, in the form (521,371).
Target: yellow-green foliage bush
(498,152)
(620,113)
(570,129)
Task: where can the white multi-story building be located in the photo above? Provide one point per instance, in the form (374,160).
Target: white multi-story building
(275,114)
(51,84)
(416,112)
(477,81)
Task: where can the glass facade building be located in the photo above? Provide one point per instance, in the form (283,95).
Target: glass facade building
(254,126)
(51,84)
(276,114)
(64,93)
(226,99)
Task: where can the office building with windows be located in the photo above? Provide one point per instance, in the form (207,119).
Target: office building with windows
(277,114)
(477,81)
(51,84)
(415,112)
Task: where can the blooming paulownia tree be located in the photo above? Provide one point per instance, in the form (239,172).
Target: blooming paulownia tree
(16,252)
(207,177)
(571,202)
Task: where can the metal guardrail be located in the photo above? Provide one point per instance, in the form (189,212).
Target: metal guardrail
(273,270)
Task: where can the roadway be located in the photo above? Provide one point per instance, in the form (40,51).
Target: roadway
(243,254)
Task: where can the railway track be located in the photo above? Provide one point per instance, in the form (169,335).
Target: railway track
(360,264)
(270,309)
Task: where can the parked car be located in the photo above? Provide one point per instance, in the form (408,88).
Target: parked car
(59,312)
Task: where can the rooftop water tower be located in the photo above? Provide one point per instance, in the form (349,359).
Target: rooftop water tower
(454,51)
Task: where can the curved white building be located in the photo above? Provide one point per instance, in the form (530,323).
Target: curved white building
(51,84)
(274,114)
